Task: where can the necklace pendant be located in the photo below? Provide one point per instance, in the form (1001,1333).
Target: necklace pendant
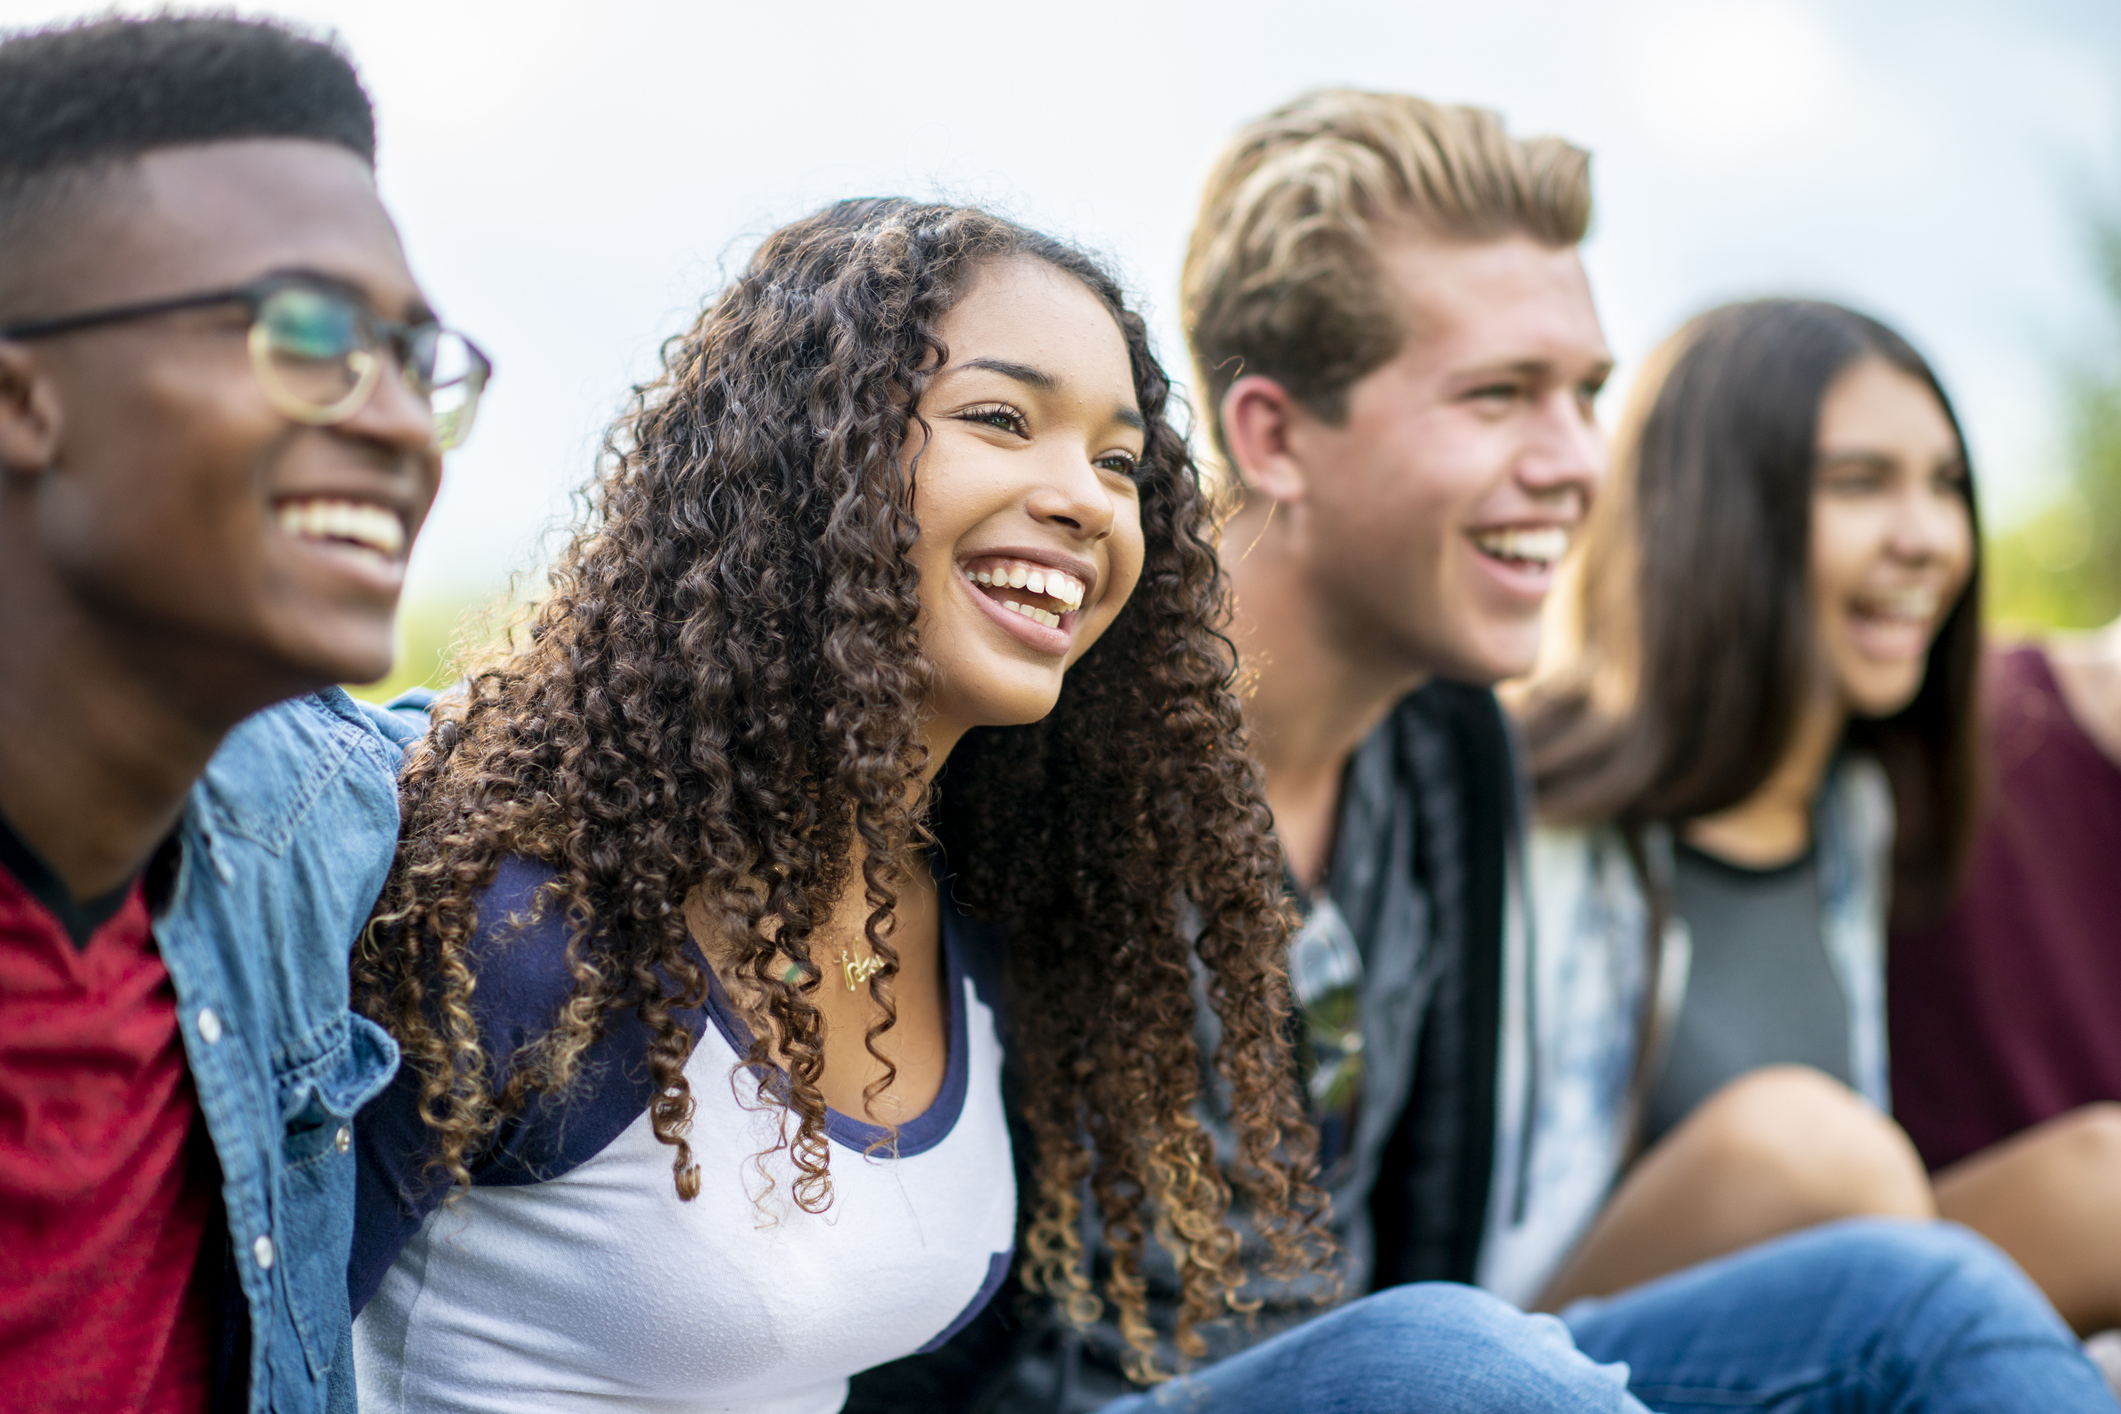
(859,973)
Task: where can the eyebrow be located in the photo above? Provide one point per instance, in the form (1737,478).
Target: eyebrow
(1045,382)
(1022,372)
(1883,461)
(1548,368)
(417,312)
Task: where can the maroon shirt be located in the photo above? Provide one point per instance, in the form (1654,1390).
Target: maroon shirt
(106,1177)
(2009,1011)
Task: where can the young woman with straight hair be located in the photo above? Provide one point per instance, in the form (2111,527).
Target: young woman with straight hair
(1756,743)
(880,716)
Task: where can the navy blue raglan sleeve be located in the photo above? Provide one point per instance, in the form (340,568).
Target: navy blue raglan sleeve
(522,983)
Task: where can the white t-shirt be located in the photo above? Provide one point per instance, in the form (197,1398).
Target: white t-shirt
(599,1289)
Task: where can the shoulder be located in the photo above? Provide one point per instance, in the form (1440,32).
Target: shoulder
(1554,852)
(979,948)
(279,767)
(401,721)
(519,957)
(1460,705)
(1859,804)
(519,952)
(1480,789)
(1578,873)
(1468,721)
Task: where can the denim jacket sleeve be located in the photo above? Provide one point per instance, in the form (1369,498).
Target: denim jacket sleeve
(286,841)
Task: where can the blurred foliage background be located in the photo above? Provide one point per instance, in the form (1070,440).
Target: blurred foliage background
(430,633)
(2060,568)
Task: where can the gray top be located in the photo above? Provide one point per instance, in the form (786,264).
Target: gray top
(1761,989)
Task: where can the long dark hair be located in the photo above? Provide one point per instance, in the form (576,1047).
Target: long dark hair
(1693,619)
(723,693)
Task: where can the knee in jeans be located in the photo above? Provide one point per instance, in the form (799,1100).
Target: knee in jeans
(1442,1310)
(1918,1254)
(1826,1151)
(1456,1349)
(1475,1325)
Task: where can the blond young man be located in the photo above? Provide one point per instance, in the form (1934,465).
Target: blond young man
(1396,336)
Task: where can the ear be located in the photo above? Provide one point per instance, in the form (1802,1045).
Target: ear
(1256,417)
(29,413)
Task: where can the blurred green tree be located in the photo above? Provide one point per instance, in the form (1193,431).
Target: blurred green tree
(2061,568)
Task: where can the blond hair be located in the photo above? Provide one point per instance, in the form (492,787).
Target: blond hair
(1282,275)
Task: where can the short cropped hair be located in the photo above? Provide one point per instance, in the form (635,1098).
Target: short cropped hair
(81,98)
(1282,276)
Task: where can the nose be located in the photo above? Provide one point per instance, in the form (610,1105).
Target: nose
(395,415)
(1073,496)
(1928,523)
(1566,453)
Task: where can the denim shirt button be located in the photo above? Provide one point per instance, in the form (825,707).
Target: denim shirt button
(343,1140)
(262,1250)
(209,1026)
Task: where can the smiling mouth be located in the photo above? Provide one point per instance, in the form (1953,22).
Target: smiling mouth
(1038,592)
(361,526)
(1523,547)
(1906,606)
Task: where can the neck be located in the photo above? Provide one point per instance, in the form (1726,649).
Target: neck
(1773,825)
(1313,698)
(99,740)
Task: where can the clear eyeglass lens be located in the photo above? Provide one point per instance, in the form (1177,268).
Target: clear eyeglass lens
(457,376)
(311,338)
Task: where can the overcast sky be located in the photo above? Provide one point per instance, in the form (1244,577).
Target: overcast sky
(572,179)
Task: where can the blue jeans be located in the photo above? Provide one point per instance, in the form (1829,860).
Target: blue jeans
(1901,1317)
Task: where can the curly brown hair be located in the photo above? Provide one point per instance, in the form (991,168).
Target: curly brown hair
(720,698)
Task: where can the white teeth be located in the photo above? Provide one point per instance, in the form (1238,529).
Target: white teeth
(1055,584)
(359,522)
(1919,605)
(1544,545)
(1041,616)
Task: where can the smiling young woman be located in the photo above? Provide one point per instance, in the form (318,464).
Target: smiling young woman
(1770,647)
(896,612)
(1760,746)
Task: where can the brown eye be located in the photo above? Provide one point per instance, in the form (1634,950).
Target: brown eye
(1001,418)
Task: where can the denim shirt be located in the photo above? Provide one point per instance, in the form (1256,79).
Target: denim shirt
(285,843)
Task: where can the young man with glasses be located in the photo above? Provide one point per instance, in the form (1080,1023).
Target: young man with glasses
(223,403)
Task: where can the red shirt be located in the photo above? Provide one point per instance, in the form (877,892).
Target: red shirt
(107,1180)
(2004,1014)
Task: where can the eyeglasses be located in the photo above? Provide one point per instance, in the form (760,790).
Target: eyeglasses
(318,350)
